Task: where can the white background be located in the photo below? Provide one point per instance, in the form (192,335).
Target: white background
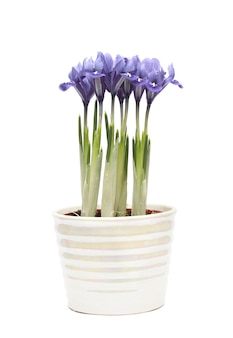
(191,167)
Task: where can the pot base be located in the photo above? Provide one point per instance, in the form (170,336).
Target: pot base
(121,297)
(116,314)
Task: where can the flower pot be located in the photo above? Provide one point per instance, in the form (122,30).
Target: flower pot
(115,265)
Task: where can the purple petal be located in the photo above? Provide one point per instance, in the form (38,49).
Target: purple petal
(154,88)
(85,90)
(88,65)
(121,94)
(107,62)
(156,64)
(139,82)
(94,75)
(129,76)
(138,91)
(150,96)
(117,84)
(99,64)
(175,82)
(132,64)
(74,75)
(171,71)
(66,85)
(119,64)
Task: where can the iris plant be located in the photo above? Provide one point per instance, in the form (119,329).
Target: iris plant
(122,78)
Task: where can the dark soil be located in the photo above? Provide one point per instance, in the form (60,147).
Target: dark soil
(98,212)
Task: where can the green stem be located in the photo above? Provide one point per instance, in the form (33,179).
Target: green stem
(86,142)
(100,112)
(137,119)
(147,117)
(126,114)
(112,109)
(121,112)
(81,153)
(85,116)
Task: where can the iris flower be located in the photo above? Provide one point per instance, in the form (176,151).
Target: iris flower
(112,70)
(94,72)
(156,80)
(80,82)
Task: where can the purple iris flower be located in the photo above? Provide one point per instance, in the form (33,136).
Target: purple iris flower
(112,70)
(130,75)
(136,74)
(94,72)
(157,80)
(82,85)
(119,76)
(131,68)
(140,81)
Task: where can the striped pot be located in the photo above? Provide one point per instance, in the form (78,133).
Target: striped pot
(115,265)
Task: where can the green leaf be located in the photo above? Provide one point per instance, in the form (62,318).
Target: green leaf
(121,179)
(109,185)
(110,142)
(141,155)
(94,121)
(90,164)
(80,132)
(106,125)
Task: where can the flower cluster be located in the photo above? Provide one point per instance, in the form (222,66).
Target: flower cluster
(121,77)
(105,73)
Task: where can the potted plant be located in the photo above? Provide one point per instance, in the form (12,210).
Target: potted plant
(115,256)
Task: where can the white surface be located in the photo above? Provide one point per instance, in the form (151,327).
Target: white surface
(192,168)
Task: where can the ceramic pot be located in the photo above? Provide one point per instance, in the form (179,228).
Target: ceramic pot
(115,265)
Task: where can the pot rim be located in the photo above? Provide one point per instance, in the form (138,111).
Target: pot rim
(165,210)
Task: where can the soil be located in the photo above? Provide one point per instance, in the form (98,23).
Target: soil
(98,212)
